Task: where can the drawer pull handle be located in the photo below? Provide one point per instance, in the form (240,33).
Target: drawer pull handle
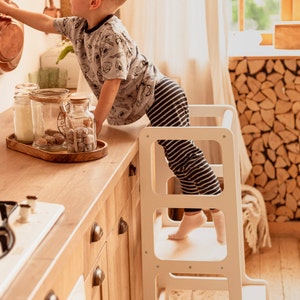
(96,233)
(98,277)
(132,170)
(51,296)
(123,226)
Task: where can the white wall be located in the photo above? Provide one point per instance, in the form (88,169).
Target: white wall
(35,44)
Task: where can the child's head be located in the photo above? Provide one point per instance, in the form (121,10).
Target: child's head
(114,4)
(83,8)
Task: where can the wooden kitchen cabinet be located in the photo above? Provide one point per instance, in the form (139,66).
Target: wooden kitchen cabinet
(135,255)
(101,222)
(110,245)
(135,230)
(121,247)
(113,234)
(95,251)
(97,236)
(61,280)
(118,261)
(96,283)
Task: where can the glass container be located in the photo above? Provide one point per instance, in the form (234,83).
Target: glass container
(48,115)
(80,126)
(23,128)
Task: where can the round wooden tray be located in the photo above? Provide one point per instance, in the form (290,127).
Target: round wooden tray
(59,157)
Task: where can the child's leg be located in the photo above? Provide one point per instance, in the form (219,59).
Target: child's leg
(187,161)
(192,218)
(196,177)
(189,222)
(219,222)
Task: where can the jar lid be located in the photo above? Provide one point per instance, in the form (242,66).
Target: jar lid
(78,99)
(53,95)
(25,88)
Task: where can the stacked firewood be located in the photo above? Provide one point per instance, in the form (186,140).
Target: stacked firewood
(267,95)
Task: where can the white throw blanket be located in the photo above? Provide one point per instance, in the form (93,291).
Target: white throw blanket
(256,228)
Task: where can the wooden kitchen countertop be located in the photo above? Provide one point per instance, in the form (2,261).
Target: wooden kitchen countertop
(77,186)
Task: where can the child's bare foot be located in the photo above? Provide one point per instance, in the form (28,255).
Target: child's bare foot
(189,222)
(219,221)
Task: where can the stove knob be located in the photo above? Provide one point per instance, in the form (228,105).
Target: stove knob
(24,213)
(32,201)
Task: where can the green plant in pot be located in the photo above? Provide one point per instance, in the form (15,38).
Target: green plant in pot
(68,48)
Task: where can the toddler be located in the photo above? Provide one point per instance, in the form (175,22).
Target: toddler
(127,86)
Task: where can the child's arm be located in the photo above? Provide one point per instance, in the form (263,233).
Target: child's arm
(107,97)
(35,20)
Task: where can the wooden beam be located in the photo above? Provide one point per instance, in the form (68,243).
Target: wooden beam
(286,10)
(241,15)
(296,10)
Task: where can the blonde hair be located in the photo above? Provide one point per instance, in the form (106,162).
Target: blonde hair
(116,4)
(120,2)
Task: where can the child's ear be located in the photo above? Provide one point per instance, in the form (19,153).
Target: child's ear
(95,3)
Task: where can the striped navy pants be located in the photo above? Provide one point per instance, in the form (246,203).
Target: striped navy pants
(186,160)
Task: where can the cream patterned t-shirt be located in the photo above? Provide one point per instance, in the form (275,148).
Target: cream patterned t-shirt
(108,52)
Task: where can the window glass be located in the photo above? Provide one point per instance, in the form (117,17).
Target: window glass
(234,15)
(258,14)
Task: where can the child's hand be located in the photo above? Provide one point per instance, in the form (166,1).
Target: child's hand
(35,20)
(3,6)
(105,102)
(98,127)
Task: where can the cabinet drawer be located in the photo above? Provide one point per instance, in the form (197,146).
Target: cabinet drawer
(118,259)
(135,219)
(64,276)
(122,192)
(125,185)
(134,172)
(97,231)
(96,283)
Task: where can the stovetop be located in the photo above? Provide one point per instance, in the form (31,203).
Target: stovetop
(22,229)
(7,237)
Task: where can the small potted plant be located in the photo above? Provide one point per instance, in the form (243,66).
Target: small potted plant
(67,48)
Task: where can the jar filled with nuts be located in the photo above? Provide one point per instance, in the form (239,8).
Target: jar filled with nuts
(48,115)
(80,126)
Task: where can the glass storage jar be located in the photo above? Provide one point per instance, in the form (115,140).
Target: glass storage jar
(80,126)
(48,115)
(23,128)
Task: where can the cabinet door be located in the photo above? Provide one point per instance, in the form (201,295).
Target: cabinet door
(135,245)
(99,226)
(118,260)
(62,279)
(96,283)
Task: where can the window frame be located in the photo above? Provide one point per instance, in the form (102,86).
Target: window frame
(289,12)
